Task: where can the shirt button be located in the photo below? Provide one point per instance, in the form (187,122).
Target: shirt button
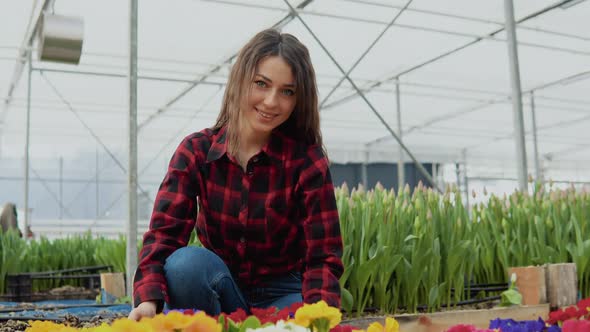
(242,239)
(255,160)
(250,173)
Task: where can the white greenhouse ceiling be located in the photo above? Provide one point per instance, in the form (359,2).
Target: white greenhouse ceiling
(449,57)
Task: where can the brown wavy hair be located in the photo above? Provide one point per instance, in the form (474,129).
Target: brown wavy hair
(304,123)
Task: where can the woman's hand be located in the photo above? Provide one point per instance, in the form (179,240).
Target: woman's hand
(144,309)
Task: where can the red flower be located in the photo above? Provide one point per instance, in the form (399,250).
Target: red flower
(265,315)
(237,316)
(583,306)
(557,316)
(288,312)
(573,312)
(561,315)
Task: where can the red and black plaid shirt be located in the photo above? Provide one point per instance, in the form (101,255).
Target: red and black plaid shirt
(277,217)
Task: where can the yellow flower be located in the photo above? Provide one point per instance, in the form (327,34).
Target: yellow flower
(104,327)
(42,326)
(318,314)
(177,321)
(127,325)
(46,326)
(203,323)
(67,329)
(391,325)
(174,320)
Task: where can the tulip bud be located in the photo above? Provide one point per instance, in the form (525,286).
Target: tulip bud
(417,224)
(549,223)
(446,198)
(379,186)
(344,189)
(392,193)
(505,223)
(361,188)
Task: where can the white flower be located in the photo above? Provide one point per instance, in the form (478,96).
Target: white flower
(281,326)
(513,278)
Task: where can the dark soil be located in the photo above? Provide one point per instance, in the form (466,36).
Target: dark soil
(61,293)
(69,320)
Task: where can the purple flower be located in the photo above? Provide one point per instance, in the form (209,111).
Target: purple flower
(510,325)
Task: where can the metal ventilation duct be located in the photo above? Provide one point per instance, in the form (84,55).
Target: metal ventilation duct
(60,38)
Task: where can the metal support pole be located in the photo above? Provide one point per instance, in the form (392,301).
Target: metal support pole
(61,187)
(23,53)
(27,142)
(435,173)
(538,173)
(516,96)
(96,186)
(364,173)
(401,178)
(458,175)
(466,181)
(132,174)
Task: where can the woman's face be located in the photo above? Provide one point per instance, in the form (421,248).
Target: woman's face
(272,96)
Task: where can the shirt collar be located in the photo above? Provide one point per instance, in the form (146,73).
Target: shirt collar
(277,149)
(218,146)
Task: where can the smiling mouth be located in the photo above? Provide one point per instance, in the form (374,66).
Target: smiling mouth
(265,115)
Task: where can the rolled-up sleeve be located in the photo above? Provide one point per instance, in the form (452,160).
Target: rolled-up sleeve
(323,242)
(172,221)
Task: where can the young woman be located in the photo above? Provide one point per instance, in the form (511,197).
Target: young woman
(267,216)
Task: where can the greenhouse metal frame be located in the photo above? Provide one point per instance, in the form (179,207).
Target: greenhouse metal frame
(495,86)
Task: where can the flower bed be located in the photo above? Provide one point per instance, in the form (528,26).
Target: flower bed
(318,317)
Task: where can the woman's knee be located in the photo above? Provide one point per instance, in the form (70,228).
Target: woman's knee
(193,261)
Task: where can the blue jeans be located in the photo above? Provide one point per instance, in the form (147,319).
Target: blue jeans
(198,279)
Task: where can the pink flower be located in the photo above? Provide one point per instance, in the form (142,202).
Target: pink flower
(573,325)
(462,328)
(467,328)
(343,328)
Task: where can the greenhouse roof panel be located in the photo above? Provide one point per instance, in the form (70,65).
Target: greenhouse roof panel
(451,59)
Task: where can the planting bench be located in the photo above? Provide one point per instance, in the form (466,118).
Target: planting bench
(440,321)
